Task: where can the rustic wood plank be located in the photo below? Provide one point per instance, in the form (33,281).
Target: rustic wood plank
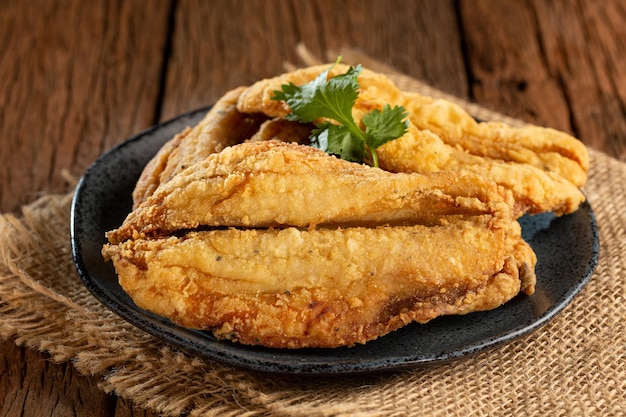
(505,60)
(223,44)
(420,39)
(585,49)
(220,45)
(558,64)
(77,78)
(33,386)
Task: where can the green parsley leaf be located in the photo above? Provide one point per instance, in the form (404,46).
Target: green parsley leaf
(322,98)
(324,101)
(384,126)
(338,140)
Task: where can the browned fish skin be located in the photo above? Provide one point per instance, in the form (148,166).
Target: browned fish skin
(544,148)
(239,229)
(534,190)
(348,282)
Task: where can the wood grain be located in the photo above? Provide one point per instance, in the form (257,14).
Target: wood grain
(31,385)
(507,66)
(559,64)
(585,49)
(420,39)
(78,77)
(219,45)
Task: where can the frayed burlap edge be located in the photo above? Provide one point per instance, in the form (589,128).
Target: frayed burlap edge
(575,365)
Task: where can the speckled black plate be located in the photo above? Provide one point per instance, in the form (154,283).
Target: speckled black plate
(567,249)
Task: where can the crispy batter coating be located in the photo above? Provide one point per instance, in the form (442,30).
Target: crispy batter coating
(353,258)
(544,148)
(276,184)
(534,190)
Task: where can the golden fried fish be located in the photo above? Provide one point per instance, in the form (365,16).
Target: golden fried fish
(277,184)
(376,252)
(294,288)
(222,126)
(241,229)
(534,190)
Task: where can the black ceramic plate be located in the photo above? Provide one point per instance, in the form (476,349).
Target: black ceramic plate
(567,249)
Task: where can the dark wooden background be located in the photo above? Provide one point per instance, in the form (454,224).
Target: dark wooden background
(77,77)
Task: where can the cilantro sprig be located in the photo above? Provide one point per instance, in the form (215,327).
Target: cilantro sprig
(332,100)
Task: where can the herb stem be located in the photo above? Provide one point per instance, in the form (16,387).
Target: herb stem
(355,130)
(374,156)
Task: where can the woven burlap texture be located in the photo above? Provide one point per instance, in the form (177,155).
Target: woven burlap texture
(575,365)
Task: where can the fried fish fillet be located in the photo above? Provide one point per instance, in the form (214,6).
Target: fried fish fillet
(348,258)
(544,168)
(544,148)
(277,184)
(294,288)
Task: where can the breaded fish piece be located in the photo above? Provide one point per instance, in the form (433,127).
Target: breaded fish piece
(283,130)
(534,190)
(278,184)
(222,126)
(294,288)
(257,98)
(544,148)
(421,151)
(530,161)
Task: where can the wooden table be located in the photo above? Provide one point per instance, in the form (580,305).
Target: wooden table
(78,77)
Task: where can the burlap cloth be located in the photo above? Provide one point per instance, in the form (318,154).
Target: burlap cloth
(575,365)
